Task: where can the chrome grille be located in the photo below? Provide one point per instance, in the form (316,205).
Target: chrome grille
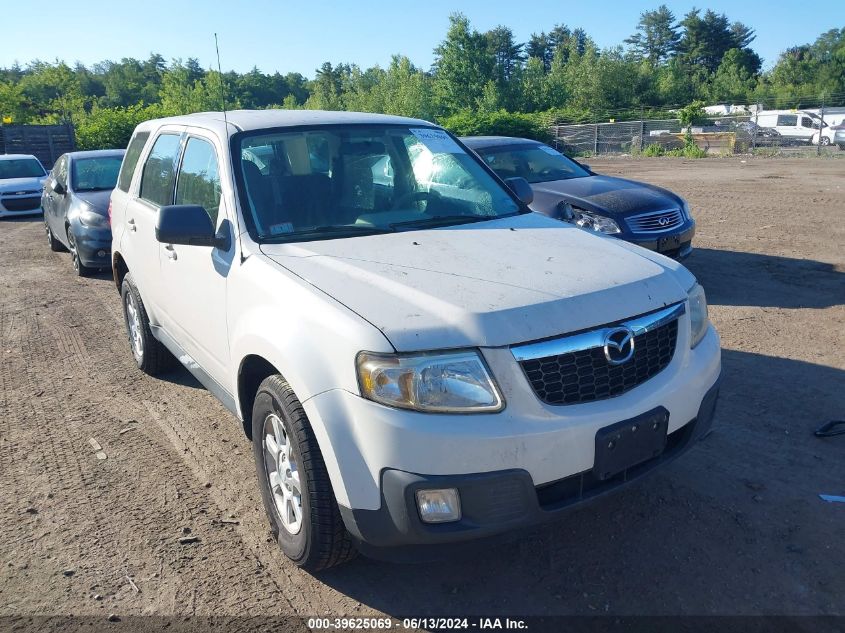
(573,369)
(655,221)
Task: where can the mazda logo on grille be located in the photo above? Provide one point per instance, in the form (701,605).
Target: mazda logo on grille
(619,345)
(663,221)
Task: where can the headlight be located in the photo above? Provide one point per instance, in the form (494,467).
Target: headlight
(697,314)
(93,220)
(438,382)
(594,222)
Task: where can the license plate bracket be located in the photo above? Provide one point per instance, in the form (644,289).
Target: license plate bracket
(625,444)
(669,243)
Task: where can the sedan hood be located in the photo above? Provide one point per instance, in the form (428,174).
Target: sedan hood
(19,185)
(99,200)
(603,193)
(486,284)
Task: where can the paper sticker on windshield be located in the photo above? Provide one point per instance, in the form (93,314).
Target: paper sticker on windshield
(437,141)
(280,229)
(549,150)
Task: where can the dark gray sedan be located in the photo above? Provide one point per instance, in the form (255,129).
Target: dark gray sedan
(76,202)
(637,212)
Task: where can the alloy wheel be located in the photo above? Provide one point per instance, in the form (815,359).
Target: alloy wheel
(133,325)
(283,474)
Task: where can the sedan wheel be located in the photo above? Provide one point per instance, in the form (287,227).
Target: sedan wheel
(55,245)
(81,269)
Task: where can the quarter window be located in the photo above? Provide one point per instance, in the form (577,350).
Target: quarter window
(130,160)
(160,170)
(199,180)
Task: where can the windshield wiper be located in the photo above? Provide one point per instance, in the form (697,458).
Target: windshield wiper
(440,220)
(333,230)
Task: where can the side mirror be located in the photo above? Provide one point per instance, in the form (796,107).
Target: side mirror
(59,188)
(188,224)
(521,188)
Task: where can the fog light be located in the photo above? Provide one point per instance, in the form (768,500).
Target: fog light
(439,506)
(101,253)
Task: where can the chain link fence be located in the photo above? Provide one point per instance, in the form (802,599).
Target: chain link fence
(747,130)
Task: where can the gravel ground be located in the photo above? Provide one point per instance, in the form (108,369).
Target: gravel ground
(735,527)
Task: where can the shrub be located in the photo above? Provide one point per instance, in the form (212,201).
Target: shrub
(500,123)
(111,128)
(653,149)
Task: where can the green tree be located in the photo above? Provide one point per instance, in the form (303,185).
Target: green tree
(707,38)
(734,81)
(657,37)
(462,67)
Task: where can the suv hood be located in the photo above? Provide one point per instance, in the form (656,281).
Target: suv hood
(486,284)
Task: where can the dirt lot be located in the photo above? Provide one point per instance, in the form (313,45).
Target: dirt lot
(735,527)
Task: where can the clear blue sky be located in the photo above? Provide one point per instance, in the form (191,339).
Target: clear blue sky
(299,36)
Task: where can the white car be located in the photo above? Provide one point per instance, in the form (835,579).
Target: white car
(417,358)
(22,178)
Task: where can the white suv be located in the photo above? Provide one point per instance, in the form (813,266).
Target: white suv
(418,359)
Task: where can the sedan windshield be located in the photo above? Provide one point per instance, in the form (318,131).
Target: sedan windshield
(95,174)
(342,181)
(20,168)
(534,162)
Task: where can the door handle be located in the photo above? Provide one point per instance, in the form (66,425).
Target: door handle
(131,224)
(171,254)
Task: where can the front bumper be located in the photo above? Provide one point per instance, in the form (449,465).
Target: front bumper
(679,249)
(362,441)
(93,246)
(494,503)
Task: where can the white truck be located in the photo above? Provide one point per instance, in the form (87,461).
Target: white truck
(418,360)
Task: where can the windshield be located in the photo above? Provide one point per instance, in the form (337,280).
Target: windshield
(534,162)
(20,168)
(95,174)
(340,181)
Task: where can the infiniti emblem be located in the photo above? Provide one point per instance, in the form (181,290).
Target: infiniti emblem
(619,345)
(663,221)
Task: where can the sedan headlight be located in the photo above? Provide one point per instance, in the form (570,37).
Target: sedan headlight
(594,222)
(697,314)
(439,382)
(93,220)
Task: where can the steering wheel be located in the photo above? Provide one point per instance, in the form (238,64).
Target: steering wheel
(414,196)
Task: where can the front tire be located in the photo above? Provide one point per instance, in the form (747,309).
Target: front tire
(81,269)
(294,483)
(55,245)
(150,355)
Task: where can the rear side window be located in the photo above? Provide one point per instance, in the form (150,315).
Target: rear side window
(788,120)
(199,181)
(160,170)
(133,153)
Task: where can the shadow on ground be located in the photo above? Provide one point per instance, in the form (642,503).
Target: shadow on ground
(741,506)
(754,279)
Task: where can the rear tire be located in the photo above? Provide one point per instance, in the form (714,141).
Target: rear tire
(307,525)
(150,355)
